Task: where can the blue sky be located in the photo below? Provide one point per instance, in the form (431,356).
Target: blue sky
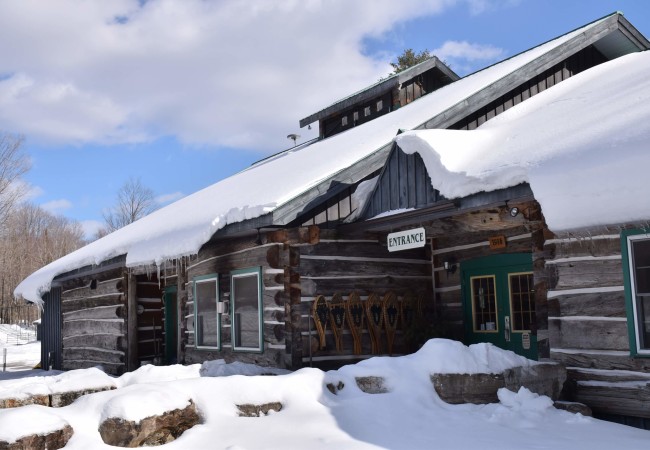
(185,93)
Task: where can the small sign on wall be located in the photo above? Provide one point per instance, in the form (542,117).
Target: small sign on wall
(497,242)
(404,240)
(525,341)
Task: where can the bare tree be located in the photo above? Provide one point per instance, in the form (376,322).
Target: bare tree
(13,164)
(30,239)
(134,201)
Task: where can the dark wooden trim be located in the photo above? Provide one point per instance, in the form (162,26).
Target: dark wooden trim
(492,92)
(380,88)
(330,187)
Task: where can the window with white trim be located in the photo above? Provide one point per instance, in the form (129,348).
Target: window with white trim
(206,318)
(638,291)
(246,298)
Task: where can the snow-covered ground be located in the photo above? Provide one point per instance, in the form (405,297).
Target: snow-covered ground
(410,416)
(19,350)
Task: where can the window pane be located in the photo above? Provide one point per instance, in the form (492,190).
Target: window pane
(206,332)
(643,310)
(641,256)
(484,302)
(522,303)
(641,274)
(246,311)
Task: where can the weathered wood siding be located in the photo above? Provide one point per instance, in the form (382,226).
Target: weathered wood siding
(587,322)
(343,264)
(404,183)
(94,328)
(222,258)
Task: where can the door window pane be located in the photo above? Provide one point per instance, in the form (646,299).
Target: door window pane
(206,330)
(484,304)
(246,311)
(522,301)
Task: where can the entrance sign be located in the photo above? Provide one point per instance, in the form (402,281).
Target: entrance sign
(404,240)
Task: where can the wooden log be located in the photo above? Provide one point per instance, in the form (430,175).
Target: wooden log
(365,286)
(277,257)
(111,368)
(604,304)
(225,246)
(588,334)
(274,315)
(101,341)
(608,376)
(616,398)
(357,249)
(586,274)
(294,236)
(79,303)
(98,312)
(583,247)
(104,326)
(102,288)
(601,360)
(330,268)
(273,333)
(93,354)
(272,256)
(85,280)
(459,239)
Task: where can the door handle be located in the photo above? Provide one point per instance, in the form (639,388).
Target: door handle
(507,328)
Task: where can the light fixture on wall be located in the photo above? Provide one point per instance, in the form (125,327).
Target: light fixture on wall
(450,266)
(513,211)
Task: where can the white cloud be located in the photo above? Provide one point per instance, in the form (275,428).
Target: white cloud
(462,56)
(57,206)
(90,228)
(463,50)
(227,73)
(168,198)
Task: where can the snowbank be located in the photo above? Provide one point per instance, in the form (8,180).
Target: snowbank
(409,416)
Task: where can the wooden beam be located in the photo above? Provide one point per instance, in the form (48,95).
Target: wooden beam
(132,361)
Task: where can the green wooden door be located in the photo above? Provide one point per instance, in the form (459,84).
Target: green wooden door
(499,302)
(171,325)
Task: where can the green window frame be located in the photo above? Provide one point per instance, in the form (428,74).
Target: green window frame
(635,252)
(247,312)
(206,312)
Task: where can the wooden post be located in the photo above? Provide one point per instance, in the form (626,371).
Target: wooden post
(132,321)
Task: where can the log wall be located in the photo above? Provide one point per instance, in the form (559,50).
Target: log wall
(94,328)
(343,264)
(587,323)
(222,258)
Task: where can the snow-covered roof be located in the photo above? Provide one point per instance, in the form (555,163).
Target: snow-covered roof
(181,228)
(582,146)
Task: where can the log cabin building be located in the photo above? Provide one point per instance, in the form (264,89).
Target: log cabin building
(369,251)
